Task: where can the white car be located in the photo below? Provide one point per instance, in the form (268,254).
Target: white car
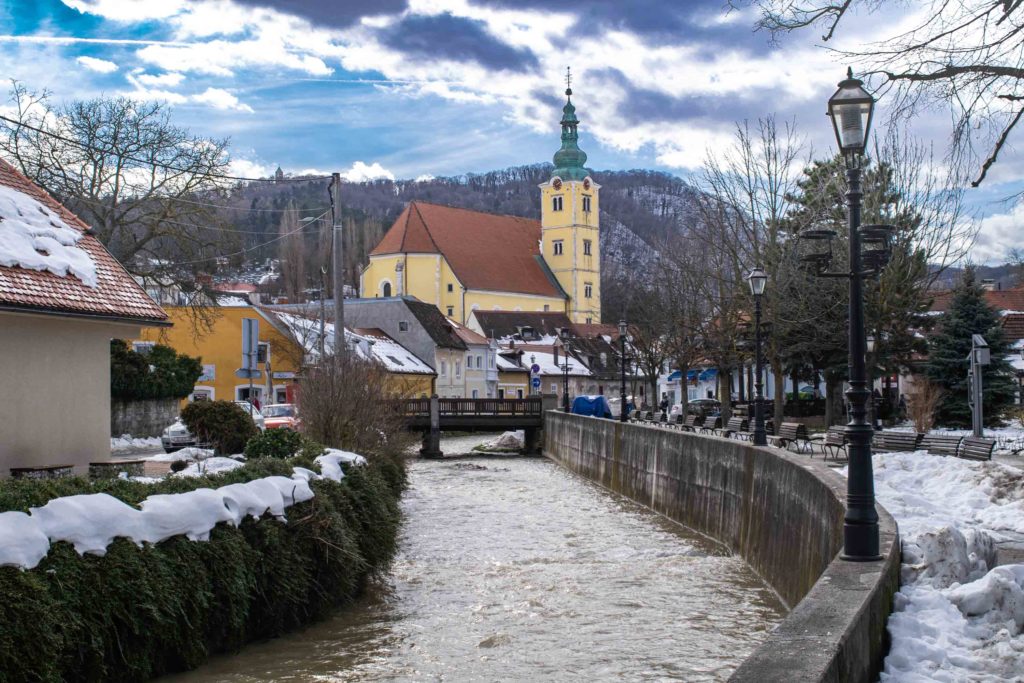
(177,436)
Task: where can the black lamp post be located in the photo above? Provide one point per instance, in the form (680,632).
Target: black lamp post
(622,366)
(757,280)
(850,109)
(564,335)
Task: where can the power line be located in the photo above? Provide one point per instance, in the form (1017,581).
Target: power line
(157,164)
(236,208)
(252,248)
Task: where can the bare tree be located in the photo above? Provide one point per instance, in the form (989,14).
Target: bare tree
(966,55)
(922,405)
(293,255)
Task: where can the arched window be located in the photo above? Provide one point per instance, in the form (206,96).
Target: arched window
(385,289)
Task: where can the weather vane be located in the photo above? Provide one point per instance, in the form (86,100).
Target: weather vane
(568,78)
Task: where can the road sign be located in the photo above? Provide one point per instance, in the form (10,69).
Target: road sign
(245,373)
(535,382)
(535,369)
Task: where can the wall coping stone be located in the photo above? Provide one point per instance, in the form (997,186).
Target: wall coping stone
(836,630)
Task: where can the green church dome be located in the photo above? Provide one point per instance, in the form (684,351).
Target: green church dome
(570,159)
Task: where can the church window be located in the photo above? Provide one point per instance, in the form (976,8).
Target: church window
(556,203)
(451,287)
(385,289)
(451,311)
(586,245)
(588,290)
(586,204)
(556,247)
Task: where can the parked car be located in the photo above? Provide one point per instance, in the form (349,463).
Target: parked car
(698,406)
(176,436)
(281,416)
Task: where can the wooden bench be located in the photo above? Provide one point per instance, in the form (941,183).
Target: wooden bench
(834,442)
(975,448)
(710,425)
(794,433)
(936,444)
(895,442)
(692,423)
(736,425)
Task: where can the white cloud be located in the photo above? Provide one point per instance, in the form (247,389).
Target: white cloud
(221,99)
(249,168)
(999,233)
(425,178)
(127,10)
(98,65)
(168,80)
(361,171)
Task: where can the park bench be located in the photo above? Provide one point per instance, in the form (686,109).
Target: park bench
(936,444)
(975,448)
(736,425)
(894,442)
(692,423)
(834,442)
(792,433)
(710,425)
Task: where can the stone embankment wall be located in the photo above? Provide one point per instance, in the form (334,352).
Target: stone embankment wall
(142,418)
(781,512)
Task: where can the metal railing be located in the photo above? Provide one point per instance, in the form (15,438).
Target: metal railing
(467,407)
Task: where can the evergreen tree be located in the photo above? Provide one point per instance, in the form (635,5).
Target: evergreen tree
(949,348)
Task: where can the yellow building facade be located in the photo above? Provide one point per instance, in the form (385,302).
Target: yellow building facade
(462,260)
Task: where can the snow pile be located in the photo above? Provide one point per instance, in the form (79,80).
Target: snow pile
(126,442)
(509,441)
(956,618)
(210,465)
(34,237)
(91,522)
(187,454)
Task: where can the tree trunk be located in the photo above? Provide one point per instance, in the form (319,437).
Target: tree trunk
(778,394)
(835,408)
(725,393)
(684,386)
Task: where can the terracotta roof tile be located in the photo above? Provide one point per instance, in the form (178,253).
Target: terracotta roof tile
(1013,327)
(117,294)
(486,251)
(999,299)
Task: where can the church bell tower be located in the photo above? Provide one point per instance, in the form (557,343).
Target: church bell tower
(570,217)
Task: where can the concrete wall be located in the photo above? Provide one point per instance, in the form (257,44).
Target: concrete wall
(142,418)
(57,405)
(781,512)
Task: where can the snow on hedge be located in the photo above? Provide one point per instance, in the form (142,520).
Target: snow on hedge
(34,237)
(91,522)
(126,442)
(956,617)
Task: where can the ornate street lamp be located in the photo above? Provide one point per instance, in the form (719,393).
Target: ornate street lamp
(757,280)
(623,328)
(565,335)
(851,109)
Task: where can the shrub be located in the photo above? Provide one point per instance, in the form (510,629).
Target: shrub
(923,403)
(178,465)
(160,373)
(222,424)
(137,613)
(274,443)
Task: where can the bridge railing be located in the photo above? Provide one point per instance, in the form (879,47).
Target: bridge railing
(466,407)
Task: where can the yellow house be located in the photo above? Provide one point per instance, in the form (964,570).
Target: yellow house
(462,260)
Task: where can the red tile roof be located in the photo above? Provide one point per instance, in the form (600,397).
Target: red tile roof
(116,296)
(1013,326)
(486,251)
(999,299)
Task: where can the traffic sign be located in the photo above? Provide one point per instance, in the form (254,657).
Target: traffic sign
(535,369)
(535,382)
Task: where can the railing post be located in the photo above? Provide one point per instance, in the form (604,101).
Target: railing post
(432,437)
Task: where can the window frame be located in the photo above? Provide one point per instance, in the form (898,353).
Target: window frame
(588,290)
(586,203)
(588,248)
(557,247)
(557,203)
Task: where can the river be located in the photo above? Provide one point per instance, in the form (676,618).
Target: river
(512,569)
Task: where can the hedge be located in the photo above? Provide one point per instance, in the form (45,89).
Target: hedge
(160,373)
(137,613)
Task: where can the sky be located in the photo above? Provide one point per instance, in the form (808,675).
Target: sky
(415,88)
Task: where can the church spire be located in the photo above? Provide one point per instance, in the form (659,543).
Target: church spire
(570,159)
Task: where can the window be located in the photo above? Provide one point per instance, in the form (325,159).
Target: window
(395,361)
(385,289)
(586,247)
(588,290)
(242,393)
(501,393)
(403,326)
(519,393)
(479,361)
(557,247)
(547,308)
(469,361)
(202,394)
(143,347)
(476,394)
(493,361)
(444,369)
(554,388)
(586,204)
(458,369)
(451,311)
(590,321)
(263,353)
(451,287)
(556,203)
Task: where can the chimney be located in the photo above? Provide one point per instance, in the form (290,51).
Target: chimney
(989,285)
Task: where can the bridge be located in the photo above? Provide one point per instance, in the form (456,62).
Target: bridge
(435,415)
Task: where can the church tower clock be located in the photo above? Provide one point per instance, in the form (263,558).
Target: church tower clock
(570,216)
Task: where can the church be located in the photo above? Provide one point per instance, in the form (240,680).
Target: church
(462,261)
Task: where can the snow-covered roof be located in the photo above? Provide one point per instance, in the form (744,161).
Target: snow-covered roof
(545,358)
(392,355)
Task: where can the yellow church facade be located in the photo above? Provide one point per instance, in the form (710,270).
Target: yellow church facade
(462,260)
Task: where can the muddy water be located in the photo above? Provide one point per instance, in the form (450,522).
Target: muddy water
(515,570)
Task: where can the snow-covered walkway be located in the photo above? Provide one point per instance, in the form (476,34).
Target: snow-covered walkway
(958,616)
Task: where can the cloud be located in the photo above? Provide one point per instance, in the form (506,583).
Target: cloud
(164,80)
(221,99)
(447,36)
(127,10)
(999,233)
(101,66)
(336,14)
(249,168)
(361,172)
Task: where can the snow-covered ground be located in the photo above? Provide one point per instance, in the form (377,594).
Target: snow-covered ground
(957,616)
(126,442)
(1008,439)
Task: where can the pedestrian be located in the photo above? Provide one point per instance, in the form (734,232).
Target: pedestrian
(664,406)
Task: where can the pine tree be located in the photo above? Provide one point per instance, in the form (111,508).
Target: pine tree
(949,348)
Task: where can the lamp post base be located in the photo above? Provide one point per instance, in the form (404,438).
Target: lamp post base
(860,543)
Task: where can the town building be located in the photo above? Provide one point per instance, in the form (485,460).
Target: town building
(63,297)
(462,261)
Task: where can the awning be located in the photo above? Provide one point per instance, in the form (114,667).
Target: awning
(708,375)
(674,377)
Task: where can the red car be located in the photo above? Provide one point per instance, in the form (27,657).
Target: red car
(281,416)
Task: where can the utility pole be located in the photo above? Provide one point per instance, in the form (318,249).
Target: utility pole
(337,263)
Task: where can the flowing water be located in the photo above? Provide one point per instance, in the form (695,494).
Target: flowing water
(513,569)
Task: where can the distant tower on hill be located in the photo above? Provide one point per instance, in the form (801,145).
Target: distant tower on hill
(278,175)
(570,222)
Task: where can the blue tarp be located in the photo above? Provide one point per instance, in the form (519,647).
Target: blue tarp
(596,406)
